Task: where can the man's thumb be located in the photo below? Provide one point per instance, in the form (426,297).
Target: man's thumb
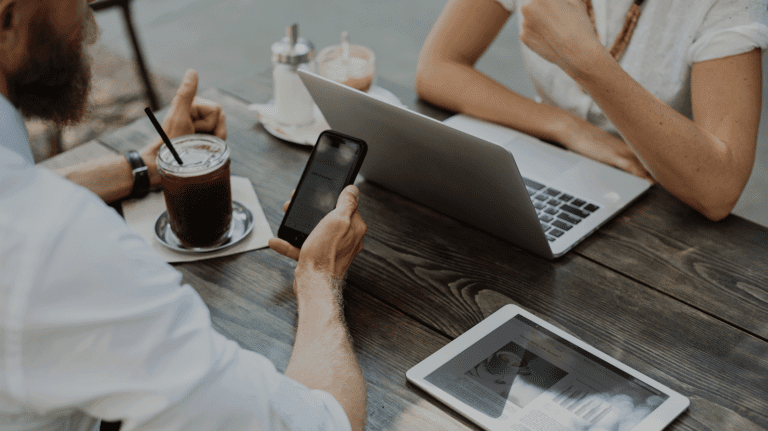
(187,90)
(347,202)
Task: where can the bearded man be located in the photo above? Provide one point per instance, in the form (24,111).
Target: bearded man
(93,324)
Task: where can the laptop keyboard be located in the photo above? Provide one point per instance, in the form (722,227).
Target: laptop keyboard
(558,212)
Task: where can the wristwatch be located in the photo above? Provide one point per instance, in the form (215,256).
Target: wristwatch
(140,174)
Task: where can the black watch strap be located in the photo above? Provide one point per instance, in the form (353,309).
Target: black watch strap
(140,174)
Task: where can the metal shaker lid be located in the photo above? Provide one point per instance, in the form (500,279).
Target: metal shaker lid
(293,49)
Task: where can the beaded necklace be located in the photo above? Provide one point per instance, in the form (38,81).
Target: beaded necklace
(622,40)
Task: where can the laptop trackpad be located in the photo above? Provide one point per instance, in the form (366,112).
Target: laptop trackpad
(537,159)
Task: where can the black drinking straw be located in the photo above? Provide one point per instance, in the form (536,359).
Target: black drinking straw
(163,135)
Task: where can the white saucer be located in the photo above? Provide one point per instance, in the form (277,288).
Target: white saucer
(308,135)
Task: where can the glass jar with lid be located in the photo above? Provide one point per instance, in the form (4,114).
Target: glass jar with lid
(294,104)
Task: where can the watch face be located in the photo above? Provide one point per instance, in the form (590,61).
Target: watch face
(134,159)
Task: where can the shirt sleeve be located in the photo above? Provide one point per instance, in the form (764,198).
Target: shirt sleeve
(731,27)
(111,331)
(508,4)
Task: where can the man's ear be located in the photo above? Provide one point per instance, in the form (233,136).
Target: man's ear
(8,17)
(13,40)
(9,23)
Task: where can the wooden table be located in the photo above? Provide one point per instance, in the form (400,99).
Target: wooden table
(660,288)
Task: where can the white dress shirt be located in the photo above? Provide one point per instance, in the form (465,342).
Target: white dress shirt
(669,37)
(94,324)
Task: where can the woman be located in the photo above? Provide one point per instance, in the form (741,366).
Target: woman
(669,90)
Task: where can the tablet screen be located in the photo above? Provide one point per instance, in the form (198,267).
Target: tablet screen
(527,377)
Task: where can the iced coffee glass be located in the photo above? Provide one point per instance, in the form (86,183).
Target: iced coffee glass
(198,194)
(356,69)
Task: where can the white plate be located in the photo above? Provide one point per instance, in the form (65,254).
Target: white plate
(308,135)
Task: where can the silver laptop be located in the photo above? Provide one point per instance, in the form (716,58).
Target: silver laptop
(530,193)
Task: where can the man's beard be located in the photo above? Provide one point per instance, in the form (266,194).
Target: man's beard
(54,81)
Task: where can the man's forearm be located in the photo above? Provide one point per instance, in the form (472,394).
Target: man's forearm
(110,177)
(322,356)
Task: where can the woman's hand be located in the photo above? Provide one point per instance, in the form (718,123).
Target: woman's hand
(559,31)
(590,141)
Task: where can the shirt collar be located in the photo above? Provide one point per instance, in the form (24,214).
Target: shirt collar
(13,131)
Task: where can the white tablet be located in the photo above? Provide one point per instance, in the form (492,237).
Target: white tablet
(514,371)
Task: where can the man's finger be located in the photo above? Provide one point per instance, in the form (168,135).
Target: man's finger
(203,107)
(207,124)
(347,202)
(288,202)
(186,92)
(284,248)
(221,127)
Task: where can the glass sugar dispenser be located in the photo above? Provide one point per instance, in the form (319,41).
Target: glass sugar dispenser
(295,107)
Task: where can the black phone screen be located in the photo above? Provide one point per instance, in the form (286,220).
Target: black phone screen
(331,164)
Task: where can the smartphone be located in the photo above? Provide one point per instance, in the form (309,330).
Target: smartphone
(333,165)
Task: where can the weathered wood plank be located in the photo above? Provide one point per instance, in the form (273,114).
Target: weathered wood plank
(448,276)
(720,268)
(251,301)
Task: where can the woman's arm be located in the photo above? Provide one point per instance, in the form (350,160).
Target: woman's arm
(446,77)
(705,162)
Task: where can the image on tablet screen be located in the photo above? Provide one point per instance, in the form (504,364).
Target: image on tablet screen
(523,375)
(516,374)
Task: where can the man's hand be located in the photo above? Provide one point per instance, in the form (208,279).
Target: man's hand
(149,155)
(323,357)
(559,31)
(188,114)
(334,242)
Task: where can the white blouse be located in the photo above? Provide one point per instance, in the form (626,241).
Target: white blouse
(669,37)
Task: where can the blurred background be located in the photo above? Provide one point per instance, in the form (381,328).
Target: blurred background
(228,43)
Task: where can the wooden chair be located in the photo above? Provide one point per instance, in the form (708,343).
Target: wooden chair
(125,5)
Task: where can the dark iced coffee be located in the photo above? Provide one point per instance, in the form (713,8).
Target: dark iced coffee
(198,194)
